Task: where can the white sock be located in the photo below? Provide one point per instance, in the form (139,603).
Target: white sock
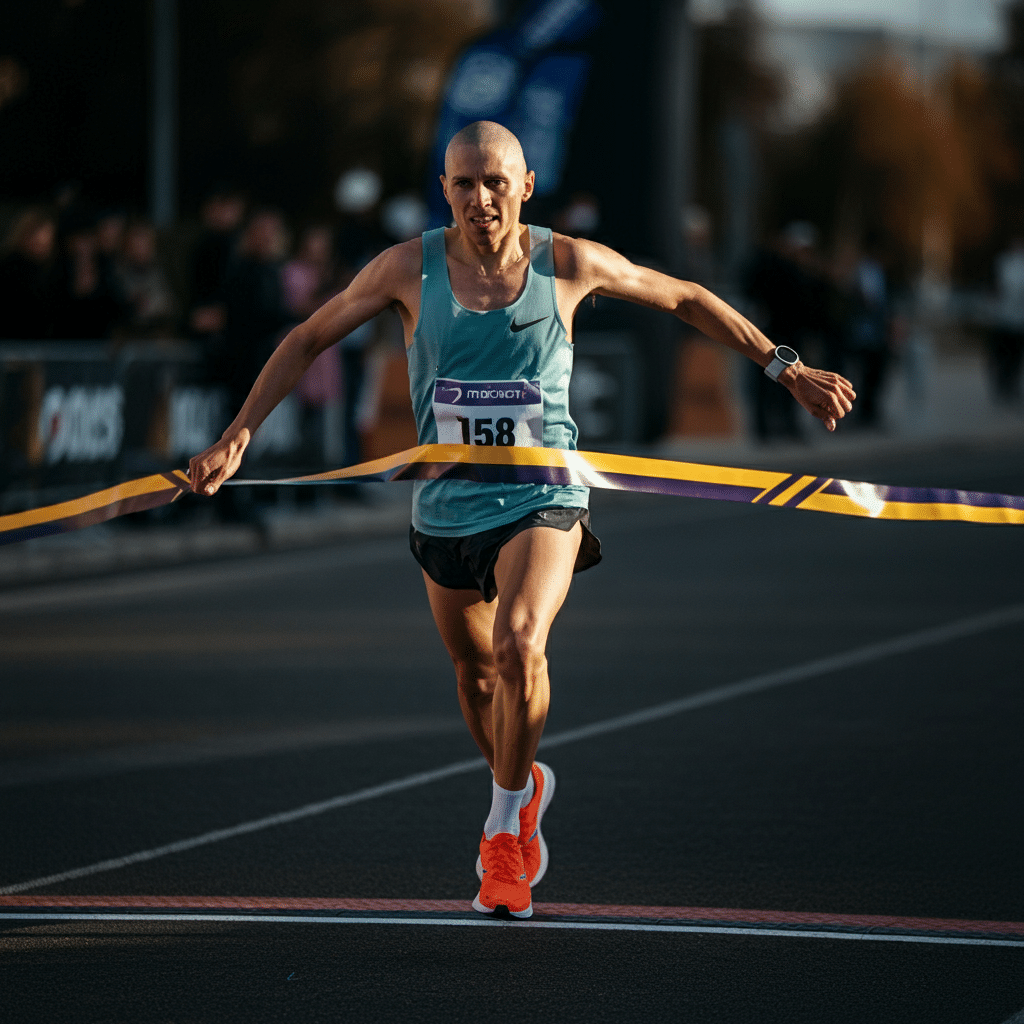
(504,816)
(529,789)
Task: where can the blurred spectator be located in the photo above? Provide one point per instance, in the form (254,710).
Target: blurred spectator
(310,275)
(254,317)
(789,295)
(309,280)
(404,217)
(254,303)
(359,240)
(26,277)
(580,217)
(110,228)
(1006,341)
(221,216)
(353,349)
(867,336)
(151,305)
(88,302)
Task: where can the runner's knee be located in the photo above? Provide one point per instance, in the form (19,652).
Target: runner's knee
(520,658)
(474,675)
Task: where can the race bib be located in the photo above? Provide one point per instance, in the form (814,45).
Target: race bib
(509,413)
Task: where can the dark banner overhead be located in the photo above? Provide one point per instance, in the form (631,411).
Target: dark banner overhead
(529,77)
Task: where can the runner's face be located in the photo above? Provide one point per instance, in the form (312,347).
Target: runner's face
(486,189)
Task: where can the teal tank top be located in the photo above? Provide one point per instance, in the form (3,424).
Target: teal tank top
(488,378)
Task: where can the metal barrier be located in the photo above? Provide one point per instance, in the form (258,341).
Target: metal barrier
(79,416)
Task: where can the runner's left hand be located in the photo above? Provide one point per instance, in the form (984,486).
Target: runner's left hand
(823,394)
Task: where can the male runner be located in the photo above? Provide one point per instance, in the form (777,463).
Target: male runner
(487,307)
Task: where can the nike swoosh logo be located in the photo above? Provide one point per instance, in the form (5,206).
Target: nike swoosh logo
(516,328)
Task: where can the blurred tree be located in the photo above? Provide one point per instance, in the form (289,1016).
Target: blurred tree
(1007,74)
(737,93)
(912,165)
(733,78)
(983,115)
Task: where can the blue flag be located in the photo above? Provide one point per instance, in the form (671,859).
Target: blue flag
(516,77)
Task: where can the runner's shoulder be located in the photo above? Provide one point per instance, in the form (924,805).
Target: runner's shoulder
(401,263)
(581,259)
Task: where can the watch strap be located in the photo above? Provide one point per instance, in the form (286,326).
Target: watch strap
(777,365)
(774,368)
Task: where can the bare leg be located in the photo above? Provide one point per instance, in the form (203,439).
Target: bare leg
(533,574)
(466,624)
(498,648)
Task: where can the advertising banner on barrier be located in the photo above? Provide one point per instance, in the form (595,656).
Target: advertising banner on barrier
(62,416)
(76,416)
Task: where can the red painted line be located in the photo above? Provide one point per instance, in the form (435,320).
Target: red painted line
(685,915)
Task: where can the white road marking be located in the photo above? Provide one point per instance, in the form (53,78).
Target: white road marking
(859,656)
(490,922)
(216,836)
(797,673)
(94,764)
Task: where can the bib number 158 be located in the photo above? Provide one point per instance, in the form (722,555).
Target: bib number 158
(481,431)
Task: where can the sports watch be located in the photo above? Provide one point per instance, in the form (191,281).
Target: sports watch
(784,357)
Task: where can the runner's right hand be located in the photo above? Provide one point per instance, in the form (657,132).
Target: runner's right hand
(208,470)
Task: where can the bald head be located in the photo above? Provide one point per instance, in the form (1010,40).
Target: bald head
(486,137)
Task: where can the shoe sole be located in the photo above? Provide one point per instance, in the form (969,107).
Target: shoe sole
(545,800)
(520,914)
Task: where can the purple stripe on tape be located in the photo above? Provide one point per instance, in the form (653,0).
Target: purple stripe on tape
(682,488)
(499,474)
(561,476)
(805,492)
(487,392)
(929,496)
(779,488)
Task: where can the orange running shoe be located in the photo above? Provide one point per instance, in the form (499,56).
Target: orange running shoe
(504,881)
(531,841)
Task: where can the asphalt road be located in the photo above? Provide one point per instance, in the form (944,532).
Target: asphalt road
(724,859)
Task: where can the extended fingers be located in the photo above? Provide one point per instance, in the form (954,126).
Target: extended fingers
(825,395)
(845,390)
(835,395)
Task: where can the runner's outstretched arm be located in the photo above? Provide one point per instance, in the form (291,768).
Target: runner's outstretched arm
(826,395)
(372,290)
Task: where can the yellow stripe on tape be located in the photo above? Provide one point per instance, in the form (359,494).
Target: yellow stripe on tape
(905,511)
(547,465)
(791,491)
(92,502)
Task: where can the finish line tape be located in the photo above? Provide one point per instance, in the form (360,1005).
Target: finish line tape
(554,466)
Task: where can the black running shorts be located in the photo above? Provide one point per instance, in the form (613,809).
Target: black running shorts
(467,563)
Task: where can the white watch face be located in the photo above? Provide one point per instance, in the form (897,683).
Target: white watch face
(786,355)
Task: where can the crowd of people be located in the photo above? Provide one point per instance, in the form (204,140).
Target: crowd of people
(74,273)
(83,275)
